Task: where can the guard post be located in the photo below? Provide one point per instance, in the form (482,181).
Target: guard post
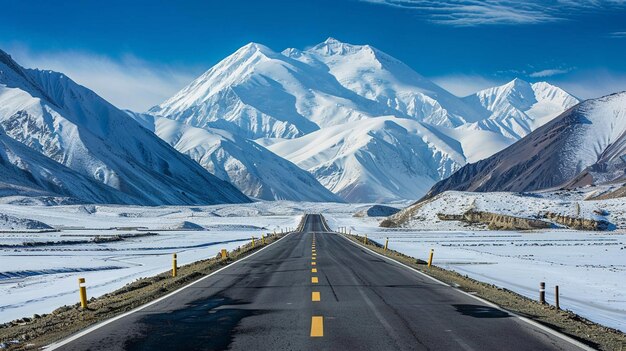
(82,291)
(174,266)
(430,257)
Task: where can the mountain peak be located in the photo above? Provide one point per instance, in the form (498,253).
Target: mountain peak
(255,47)
(332,46)
(517,82)
(331,40)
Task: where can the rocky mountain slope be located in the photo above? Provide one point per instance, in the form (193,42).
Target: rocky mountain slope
(584,145)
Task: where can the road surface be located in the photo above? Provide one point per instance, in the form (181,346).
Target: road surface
(315,290)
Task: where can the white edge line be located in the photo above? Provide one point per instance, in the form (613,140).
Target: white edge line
(80,334)
(491,304)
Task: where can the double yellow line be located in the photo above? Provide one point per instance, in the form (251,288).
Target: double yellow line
(317,322)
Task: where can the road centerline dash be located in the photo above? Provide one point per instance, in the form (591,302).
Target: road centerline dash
(317,326)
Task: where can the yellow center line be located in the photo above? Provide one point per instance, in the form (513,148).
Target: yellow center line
(314,254)
(314,280)
(315,296)
(317,326)
(313,258)
(313,270)
(313,263)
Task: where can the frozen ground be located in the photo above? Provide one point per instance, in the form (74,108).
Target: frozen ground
(589,267)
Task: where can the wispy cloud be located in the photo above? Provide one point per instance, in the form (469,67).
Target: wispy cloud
(549,72)
(127,82)
(592,83)
(584,84)
(463,13)
(617,35)
(465,84)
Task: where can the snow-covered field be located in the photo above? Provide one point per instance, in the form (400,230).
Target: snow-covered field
(423,216)
(590,268)
(40,278)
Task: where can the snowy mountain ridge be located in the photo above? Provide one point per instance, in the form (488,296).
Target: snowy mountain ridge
(253,169)
(517,108)
(378,76)
(376,160)
(585,145)
(291,97)
(257,92)
(83,139)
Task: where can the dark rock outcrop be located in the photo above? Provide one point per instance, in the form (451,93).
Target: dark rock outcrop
(496,221)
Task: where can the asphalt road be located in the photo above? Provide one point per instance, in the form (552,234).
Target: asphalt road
(314,290)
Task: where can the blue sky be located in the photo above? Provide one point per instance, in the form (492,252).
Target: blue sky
(137,53)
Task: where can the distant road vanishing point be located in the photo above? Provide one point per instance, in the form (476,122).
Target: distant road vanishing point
(316,290)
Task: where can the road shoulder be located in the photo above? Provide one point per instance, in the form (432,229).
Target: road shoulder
(567,324)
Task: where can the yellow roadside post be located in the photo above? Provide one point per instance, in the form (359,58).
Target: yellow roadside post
(365,241)
(263,239)
(386,244)
(174,266)
(224,254)
(252,241)
(430,257)
(82,291)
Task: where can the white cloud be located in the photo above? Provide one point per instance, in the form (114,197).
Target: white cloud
(128,82)
(548,72)
(463,85)
(463,13)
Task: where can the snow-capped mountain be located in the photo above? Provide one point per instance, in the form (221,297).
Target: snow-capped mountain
(517,108)
(253,169)
(576,148)
(376,160)
(257,93)
(335,91)
(78,130)
(378,76)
